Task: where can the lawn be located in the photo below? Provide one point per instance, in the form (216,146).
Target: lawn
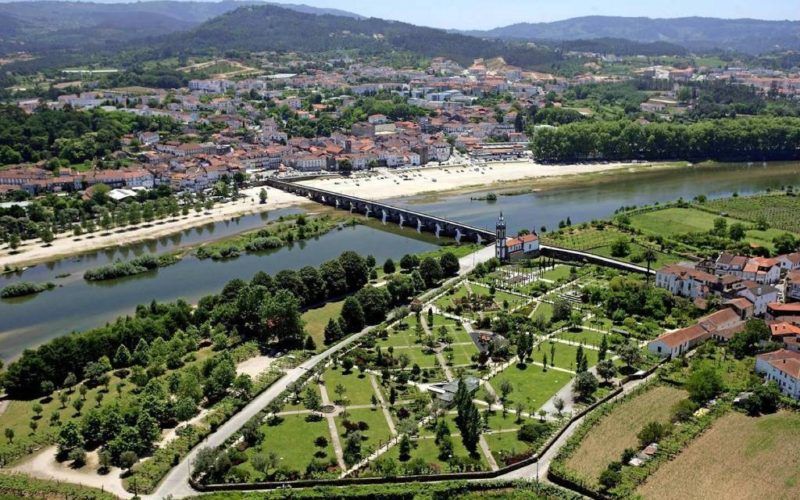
(559,272)
(544,310)
(564,355)
(426,449)
(462,353)
(419,357)
(377,432)
(293,441)
(532,386)
(617,431)
(739,457)
(316,320)
(585,337)
(359,390)
(505,443)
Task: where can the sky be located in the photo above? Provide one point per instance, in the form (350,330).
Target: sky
(485,14)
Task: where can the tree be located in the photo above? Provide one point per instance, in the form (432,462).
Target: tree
(649,257)
(449,264)
(78,457)
(630,353)
(355,269)
(409,262)
(281,312)
(262,196)
(606,369)
(506,388)
(388,267)
(405,448)
(69,437)
(332,332)
(620,248)
(531,432)
(431,271)
(703,384)
(128,459)
(584,385)
(737,231)
(683,410)
(601,355)
(352,448)
(471,432)
(558,403)
(375,303)
(652,432)
(785,243)
(748,341)
(123,357)
(352,315)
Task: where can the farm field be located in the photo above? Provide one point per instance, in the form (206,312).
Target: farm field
(599,241)
(617,431)
(675,221)
(779,210)
(751,448)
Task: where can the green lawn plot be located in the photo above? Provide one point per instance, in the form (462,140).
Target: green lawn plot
(446,301)
(531,385)
(426,449)
(377,431)
(564,355)
(544,310)
(462,353)
(599,323)
(583,336)
(399,337)
(419,356)
(557,273)
(505,444)
(454,328)
(316,320)
(358,389)
(499,296)
(292,439)
(662,259)
(292,406)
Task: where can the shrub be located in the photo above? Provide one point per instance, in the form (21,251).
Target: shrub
(23,288)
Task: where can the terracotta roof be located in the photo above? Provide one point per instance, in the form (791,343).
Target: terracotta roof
(783,360)
(724,323)
(784,329)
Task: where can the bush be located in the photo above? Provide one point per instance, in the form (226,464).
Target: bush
(118,269)
(24,288)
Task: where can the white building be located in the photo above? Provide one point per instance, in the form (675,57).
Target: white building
(782,367)
(685,281)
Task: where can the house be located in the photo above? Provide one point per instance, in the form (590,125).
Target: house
(510,248)
(720,325)
(789,262)
(792,291)
(730,264)
(782,367)
(762,270)
(686,281)
(445,392)
(776,310)
(760,295)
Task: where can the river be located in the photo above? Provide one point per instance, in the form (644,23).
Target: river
(77,305)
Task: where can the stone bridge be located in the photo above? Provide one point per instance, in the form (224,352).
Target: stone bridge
(404,217)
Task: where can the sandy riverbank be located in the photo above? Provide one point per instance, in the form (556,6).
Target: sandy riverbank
(66,244)
(377,185)
(386,183)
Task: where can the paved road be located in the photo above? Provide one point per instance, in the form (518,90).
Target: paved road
(176,483)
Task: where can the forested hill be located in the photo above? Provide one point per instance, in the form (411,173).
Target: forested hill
(696,33)
(46,25)
(260,28)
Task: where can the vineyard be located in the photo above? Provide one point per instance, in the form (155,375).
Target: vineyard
(599,242)
(779,210)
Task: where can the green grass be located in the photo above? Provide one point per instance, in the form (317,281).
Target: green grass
(377,433)
(359,390)
(462,354)
(778,209)
(559,272)
(586,337)
(418,356)
(532,386)
(316,320)
(293,441)
(505,442)
(564,355)
(544,311)
(426,449)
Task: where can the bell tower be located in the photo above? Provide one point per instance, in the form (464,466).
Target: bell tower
(501,250)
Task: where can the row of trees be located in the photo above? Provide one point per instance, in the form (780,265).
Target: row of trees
(753,138)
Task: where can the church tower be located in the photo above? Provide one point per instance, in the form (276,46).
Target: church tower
(501,250)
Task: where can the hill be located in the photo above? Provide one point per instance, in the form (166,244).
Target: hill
(695,33)
(262,28)
(45,25)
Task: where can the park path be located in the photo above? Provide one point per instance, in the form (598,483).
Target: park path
(382,402)
(487,453)
(442,362)
(335,441)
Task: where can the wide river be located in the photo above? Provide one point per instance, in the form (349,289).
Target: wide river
(78,305)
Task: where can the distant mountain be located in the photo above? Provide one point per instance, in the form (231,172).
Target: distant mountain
(307,9)
(696,33)
(43,25)
(262,28)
